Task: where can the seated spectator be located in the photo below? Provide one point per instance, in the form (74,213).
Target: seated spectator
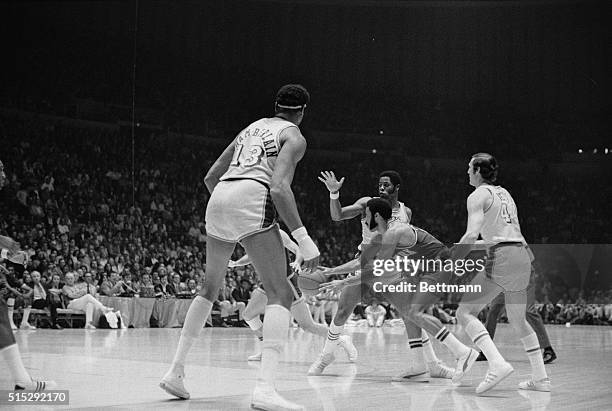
(164,288)
(91,287)
(228,305)
(375,314)
(146,290)
(80,299)
(192,287)
(243,293)
(113,286)
(17,295)
(42,299)
(178,286)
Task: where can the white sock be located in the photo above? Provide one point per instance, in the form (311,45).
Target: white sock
(479,335)
(332,337)
(532,348)
(10,302)
(275,331)
(428,351)
(416,347)
(451,342)
(15,365)
(194,323)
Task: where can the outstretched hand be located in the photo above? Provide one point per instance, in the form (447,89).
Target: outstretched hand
(331,182)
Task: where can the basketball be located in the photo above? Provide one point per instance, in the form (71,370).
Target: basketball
(309,283)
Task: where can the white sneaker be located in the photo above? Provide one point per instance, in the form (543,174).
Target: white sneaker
(464,364)
(495,375)
(266,398)
(14,327)
(172,383)
(27,326)
(440,370)
(36,386)
(415,373)
(532,385)
(90,326)
(255,357)
(348,346)
(319,365)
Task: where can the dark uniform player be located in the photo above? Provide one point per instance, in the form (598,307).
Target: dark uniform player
(389,183)
(395,242)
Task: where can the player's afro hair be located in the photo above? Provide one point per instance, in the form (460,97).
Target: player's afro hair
(380,206)
(393,175)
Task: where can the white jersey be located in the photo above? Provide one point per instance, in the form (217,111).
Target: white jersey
(256,149)
(398,215)
(501,222)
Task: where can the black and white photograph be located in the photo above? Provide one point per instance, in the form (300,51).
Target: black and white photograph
(306,205)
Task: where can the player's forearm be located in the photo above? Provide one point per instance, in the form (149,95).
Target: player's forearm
(346,268)
(335,209)
(469,237)
(284,200)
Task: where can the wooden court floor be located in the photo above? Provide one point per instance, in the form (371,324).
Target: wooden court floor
(120,369)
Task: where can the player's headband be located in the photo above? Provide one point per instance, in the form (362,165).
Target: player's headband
(290,107)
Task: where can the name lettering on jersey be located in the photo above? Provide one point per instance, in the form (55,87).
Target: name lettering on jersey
(269,143)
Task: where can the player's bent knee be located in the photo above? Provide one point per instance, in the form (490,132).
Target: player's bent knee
(464,315)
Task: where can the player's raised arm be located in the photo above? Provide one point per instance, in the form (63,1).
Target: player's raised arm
(336,210)
(219,167)
(291,152)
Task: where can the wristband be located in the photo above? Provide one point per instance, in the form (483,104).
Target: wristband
(300,234)
(334,196)
(4,253)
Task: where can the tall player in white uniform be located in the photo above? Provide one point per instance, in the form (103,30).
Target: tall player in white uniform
(492,214)
(250,178)
(389,183)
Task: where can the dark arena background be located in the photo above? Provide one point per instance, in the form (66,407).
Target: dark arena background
(113,112)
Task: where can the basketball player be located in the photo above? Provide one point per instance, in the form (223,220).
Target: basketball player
(299,309)
(389,183)
(9,249)
(392,241)
(248,181)
(493,215)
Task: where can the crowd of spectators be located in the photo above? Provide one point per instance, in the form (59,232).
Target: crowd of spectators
(74,207)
